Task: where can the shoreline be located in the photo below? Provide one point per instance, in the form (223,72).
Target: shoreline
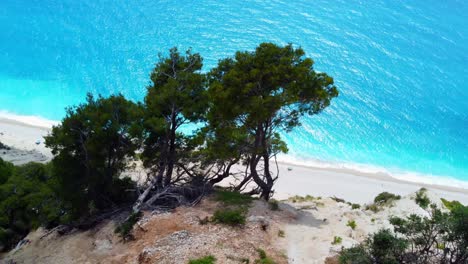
(21,133)
(351,185)
(382,176)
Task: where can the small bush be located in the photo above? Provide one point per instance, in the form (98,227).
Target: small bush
(421,198)
(355,206)
(337,240)
(264,259)
(229,216)
(205,260)
(386,197)
(373,207)
(273,205)
(281,233)
(352,224)
(125,229)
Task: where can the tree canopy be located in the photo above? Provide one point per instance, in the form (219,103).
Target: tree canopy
(92,146)
(260,93)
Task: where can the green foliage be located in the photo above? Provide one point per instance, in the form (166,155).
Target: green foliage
(264,259)
(125,229)
(91,147)
(386,197)
(256,94)
(281,233)
(440,238)
(381,247)
(273,205)
(231,217)
(355,206)
(176,97)
(355,255)
(451,205)
(27,201)
(205,260)
(421,198)
(373,207)
(352,224)
(231,198)
(337,240)
(6,170)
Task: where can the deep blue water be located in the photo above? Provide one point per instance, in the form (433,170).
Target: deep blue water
(401,66)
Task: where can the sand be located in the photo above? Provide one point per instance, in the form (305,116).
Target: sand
(22,134)
(25,141)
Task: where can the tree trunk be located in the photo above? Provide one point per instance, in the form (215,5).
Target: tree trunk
(172,145)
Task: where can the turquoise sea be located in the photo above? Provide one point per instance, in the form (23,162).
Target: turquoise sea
(401,68)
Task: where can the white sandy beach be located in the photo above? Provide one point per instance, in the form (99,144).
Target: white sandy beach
(22,133)
(22,136)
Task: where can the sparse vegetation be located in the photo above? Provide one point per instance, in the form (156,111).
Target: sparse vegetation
(264,259)
(352,224)
(355,206)
(228,216)
(439,238)
(281,233)
(451,205)
(421,198)
(230,198)
(386,197)
(205,260)
(373,207)
(273,205)
(125,229)
(382,199)
(337,240)
(302,199)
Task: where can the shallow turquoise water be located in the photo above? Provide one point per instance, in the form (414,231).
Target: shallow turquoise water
(401,67)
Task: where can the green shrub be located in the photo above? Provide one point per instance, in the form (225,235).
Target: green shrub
(281,233)
(355,206)
(337,240)
(421,198)
(451,205)
(125,229)
(229,216)
(273,205)
(386,197)
(440,238)
(205,260)
(27,201)
(233,198)
(381,247)
(355,255)
(373,207)
(352,224)
(264,259)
